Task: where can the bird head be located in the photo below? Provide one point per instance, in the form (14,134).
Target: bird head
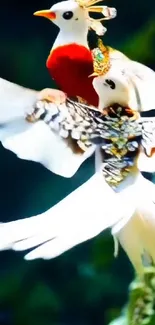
(67,15)
(73,15)
(116,87)
(111,88)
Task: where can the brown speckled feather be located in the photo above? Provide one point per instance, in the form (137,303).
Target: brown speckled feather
(118,134)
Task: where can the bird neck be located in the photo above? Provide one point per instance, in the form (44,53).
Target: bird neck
(109,101)
(70,37)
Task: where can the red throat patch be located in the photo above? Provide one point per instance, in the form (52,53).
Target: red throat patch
(70,66)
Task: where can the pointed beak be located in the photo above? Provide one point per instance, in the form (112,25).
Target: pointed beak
(94,74)
(46,13)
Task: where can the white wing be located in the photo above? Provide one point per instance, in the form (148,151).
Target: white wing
(14,101)
(144,79)
(82,215)
(36,142)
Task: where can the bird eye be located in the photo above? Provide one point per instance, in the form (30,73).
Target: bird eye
(110,83)
(67,15)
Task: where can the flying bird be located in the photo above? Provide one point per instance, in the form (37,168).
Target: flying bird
(116,134)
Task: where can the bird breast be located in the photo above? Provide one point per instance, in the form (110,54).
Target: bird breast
(70,67)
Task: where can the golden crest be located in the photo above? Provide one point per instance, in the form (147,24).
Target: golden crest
(95,24)
(101,59)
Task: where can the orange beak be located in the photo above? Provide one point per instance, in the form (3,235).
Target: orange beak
(94,74)
(46,13)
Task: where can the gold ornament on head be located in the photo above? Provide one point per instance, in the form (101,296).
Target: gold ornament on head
(101,60)
(95,24)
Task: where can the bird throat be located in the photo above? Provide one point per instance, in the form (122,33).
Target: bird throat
(70,66)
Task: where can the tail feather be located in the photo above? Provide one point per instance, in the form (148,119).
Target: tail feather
(82,215)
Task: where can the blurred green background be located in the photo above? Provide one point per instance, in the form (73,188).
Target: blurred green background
(85,285)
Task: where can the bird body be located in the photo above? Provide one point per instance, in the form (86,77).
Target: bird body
(126,193)
(135,231)
(70,62)
(117,139)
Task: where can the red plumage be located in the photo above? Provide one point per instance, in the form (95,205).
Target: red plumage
(70,66)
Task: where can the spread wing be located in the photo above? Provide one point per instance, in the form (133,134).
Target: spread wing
(40,143)
(85,126)
(85,212)
(82,215)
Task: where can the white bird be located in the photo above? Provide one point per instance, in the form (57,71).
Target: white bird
(121,85)
(94,206)
(43,146)
(136,233)
(36,142)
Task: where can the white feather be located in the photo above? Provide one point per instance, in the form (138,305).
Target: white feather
(14,101)
(144,79)
(36,142)
(82,215)
(137,234)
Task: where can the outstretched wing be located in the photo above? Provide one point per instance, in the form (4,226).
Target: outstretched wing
(82,215)
(40,143)
(83,126)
